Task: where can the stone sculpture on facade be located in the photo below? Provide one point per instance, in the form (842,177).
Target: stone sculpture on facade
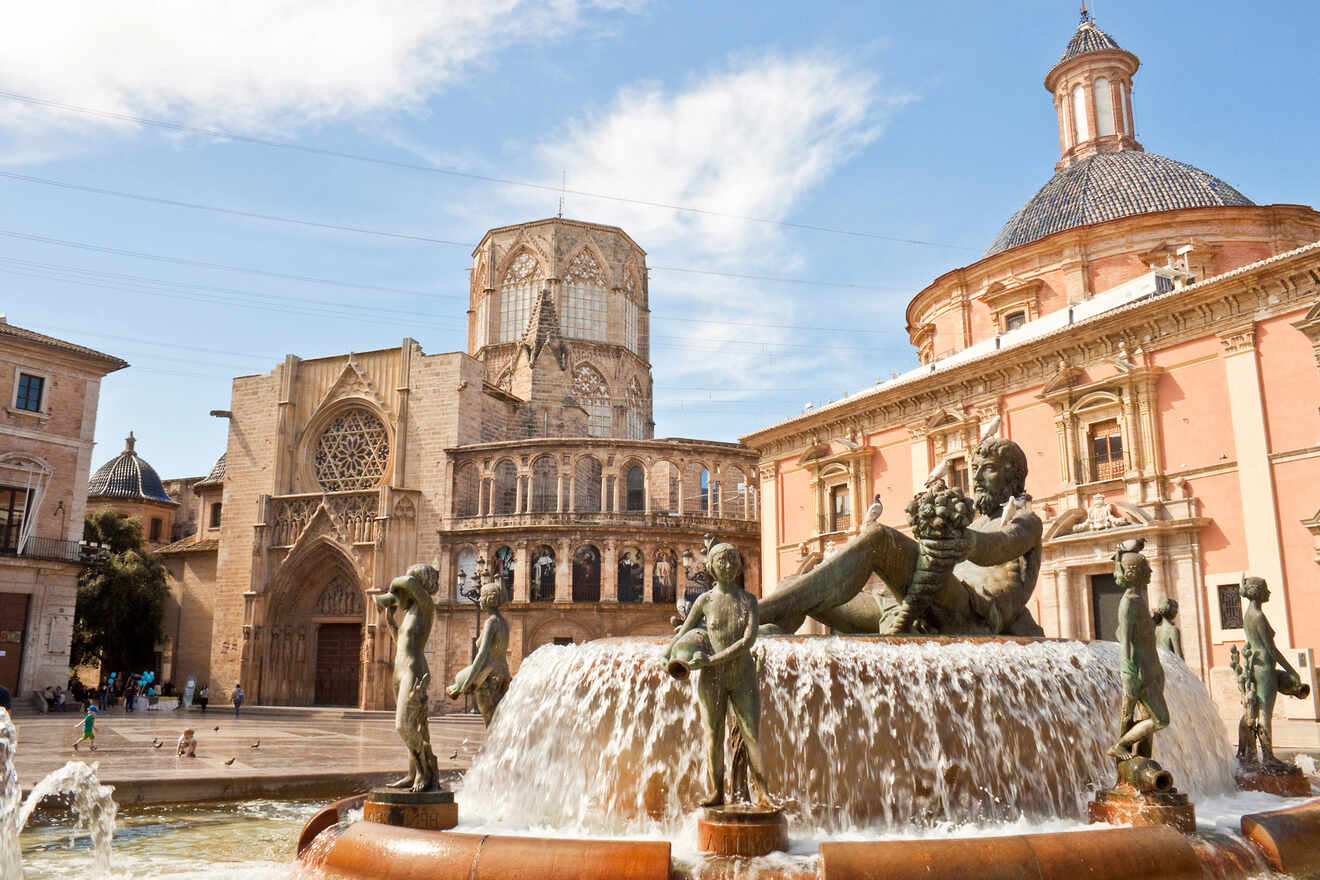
(487,677)
(716,640)
(1099,516)
(989,568)
(413,594)
(1261,682)
(1166,631)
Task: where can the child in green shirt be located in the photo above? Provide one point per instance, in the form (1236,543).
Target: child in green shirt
(88,725)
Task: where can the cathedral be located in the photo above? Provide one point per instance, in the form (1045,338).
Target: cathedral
(530,456)
(1150,336)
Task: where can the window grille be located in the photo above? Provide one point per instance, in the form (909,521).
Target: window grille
(958,477)
(352,452)
(522,281)
(1230,607)
(1106,450)
(840,509)
(585,300)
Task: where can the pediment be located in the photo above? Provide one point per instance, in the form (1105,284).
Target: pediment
(351,382)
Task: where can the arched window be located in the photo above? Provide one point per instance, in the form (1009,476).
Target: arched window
(590,390)
(1080,128)
(478,299)
(545,485)
(506,487)
(542,573)
(736,501)
(696,489)
(636,424)
(634,484)
(585,299)
(1104,107)
(631,311)
(352,451)
(630,575)
(664,577)
(586,574)
(1014,320)
(466,490)
(586,485)
(522,282)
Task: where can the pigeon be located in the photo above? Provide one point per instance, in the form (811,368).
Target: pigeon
(991,428)
(156,743)
(938,475)
(453,755)
(231,760)
(217,728)
(873,512)
(255,745)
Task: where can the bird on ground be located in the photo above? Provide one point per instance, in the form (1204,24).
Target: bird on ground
(216,728)
(231,760)
(453,755)
(255,745)
(155,743)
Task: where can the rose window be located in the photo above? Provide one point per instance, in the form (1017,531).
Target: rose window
(352,452)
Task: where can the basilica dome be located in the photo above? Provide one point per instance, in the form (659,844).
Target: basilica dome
(1106,186)
(127,476)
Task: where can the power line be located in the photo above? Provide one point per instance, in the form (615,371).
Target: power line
(451,172)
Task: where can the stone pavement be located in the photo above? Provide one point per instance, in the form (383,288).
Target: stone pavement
(301,754)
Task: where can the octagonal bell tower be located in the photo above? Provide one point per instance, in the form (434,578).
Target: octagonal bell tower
(558,313)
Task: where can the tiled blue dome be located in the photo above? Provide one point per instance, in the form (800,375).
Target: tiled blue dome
(1107,186)
(127,476)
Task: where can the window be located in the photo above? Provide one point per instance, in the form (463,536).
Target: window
(29,392)
(586,485)
(545,485)
(563,641)
(1080,129)
(215,515)
(584,312)
(506,487)
(1014,320)
(1106,450)
(1230,606)
(630,320)
(1105,596)
(1104,108)
(157,525)
(635,486)
(352,451)
(522,282)
(466,490)
(636,430)
(594,395)
(958,475)
(840,509)
(13,506)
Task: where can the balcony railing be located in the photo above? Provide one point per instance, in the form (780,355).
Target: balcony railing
(52,549)
(687,522)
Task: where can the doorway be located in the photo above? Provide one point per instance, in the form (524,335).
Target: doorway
(1105,593)
(13,627)
(338,663)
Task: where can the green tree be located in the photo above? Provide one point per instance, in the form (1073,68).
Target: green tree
(121,598)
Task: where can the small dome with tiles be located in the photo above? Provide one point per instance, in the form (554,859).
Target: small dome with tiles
(128,476)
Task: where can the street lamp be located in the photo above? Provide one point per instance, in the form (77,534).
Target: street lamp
(473,594)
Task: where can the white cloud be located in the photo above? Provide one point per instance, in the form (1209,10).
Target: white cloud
(259,64)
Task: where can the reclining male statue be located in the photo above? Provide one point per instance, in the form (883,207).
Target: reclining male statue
(987,570)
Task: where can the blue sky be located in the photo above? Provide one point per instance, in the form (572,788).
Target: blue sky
(923,121)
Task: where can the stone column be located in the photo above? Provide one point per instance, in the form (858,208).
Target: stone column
(518,494)
(563,571)
(648,573)
(604,490)
(521,589)
(572,492)
(618,479)
(717,486)
(559,493)
(1067,616)
(609,573)
(646,490)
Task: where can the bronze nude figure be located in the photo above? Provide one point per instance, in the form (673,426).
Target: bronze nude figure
(413,594)
(1260,681)
(487,677)
(1143,676)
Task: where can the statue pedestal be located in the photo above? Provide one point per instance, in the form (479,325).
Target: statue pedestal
(424,810)
(1285,781)
(1124,805)
(742,830)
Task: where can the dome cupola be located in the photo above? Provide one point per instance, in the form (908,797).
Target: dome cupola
(128,476)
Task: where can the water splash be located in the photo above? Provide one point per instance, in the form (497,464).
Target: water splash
(91,804)
(859,735)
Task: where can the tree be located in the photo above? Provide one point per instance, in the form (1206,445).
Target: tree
(121,597)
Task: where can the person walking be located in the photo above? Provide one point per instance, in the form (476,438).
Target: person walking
(88,725)
(204,697)
(238,698)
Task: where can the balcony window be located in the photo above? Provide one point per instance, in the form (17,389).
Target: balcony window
(958,477)
(1106,450)
(635,486)
(13,507)
(30,389)
(840,509)
(215,515)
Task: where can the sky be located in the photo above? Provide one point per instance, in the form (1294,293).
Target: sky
(796,173)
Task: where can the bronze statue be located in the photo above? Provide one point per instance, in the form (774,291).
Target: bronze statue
(1143,676)
(413,593)
(487,677)
(1166,631)
(716,640)
(982,575)
(1260,681)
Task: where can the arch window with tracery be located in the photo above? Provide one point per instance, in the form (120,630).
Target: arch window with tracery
(631,313)
(352,452)
(590,390)
(585,311)
(522,281)
(636,421)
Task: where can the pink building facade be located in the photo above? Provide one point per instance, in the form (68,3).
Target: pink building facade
(1151,338)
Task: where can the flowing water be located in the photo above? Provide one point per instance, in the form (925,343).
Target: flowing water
(860,735)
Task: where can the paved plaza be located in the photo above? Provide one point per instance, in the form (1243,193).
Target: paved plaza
(300,752)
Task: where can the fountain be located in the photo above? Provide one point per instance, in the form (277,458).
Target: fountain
(91,804)
(960,743)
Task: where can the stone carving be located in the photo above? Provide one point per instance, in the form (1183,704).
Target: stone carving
(414,595)
(352,451)
(340,599)
(1260,681)
(1099,516)
(291,517)
(1143,676)
(989,568)
(716,640)
(1166,631)
(355,516)
(487,678)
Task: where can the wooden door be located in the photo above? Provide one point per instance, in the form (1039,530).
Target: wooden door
(13,629)
(338,663)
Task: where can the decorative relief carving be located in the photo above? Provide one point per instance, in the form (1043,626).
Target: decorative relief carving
(340,599)
(352,451)
(291,517)
(1238,340)
(584,269)
(354,515)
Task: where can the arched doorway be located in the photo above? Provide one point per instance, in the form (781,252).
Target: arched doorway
(586,574)
(630,575)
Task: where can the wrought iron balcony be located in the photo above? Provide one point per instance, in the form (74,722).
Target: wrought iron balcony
(52,549)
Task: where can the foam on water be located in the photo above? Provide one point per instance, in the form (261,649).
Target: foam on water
(860,736)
